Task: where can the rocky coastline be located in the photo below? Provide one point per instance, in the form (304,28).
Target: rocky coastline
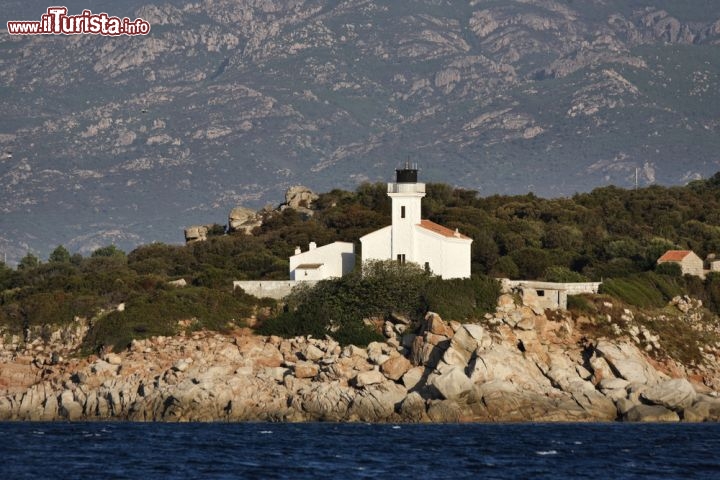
(521,364)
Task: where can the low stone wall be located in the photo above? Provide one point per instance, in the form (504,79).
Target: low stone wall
(276,289)
(570,288)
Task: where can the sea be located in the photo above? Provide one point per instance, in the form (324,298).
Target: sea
(351,450)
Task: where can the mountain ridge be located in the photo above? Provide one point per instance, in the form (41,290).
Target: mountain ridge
(128,140)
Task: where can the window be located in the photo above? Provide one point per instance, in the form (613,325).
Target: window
(541,293)
(401,258)
(402,212)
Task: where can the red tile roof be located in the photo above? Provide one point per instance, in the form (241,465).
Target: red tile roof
(444,231)
(674,255)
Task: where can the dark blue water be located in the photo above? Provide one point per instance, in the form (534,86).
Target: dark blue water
(309,451)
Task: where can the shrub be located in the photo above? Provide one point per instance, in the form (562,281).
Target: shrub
(505,267)
(28,262)
(357,333)
(59,255)
(158,313)
(462,299)
(338,307)
(669,269)
(108,251)
(580,304)
(645,290)
(216,230)
(532,262)
(563,275)
(679,340)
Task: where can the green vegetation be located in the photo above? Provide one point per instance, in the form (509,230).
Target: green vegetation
(645,290)
(159,312)
(609,234)
(462,299)
(340,307)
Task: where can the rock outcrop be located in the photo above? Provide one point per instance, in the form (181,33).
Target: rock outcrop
(502,370)
(196,233)
(300,197)
(243,219)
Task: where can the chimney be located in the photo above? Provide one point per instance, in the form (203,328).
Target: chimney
(298,251)
(313,245)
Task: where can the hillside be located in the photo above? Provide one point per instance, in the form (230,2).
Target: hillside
(160,335)
(127,140)
(609,234)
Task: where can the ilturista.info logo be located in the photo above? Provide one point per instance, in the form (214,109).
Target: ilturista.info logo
(57,22)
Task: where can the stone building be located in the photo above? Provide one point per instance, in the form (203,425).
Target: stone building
(689,262)
(547,295)
(440,250)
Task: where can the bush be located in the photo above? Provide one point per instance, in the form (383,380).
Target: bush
(462,299)
(158,313)
(505,267)
(532,262)
(563,275)
(59,255)
(669,269)
(28,262)
(338,307)
(108,251)
(645,290)
(580,304)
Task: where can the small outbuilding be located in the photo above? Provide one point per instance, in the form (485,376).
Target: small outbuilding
(689,262)
(319,263)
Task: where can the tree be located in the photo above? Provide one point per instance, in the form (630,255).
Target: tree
(563,275)
(216,230)
(7,276)
(505,267)
(59,255)
(28,262)
(531,261)
(670,269)
(108,251)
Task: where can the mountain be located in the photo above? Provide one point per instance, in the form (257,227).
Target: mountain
(126,140)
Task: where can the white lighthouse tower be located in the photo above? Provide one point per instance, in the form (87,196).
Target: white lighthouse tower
(406,194)
(440,250)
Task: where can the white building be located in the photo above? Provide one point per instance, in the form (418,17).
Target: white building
(319,263)
(440,250)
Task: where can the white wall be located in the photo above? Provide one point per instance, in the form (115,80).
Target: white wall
(276,289)
(429,248)
(376,245)
(572,288)
(456,258)
(337,259)
(309,274)
(409,196)
(692,265)
(449,257)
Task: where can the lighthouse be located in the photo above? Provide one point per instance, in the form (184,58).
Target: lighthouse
(438,249)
